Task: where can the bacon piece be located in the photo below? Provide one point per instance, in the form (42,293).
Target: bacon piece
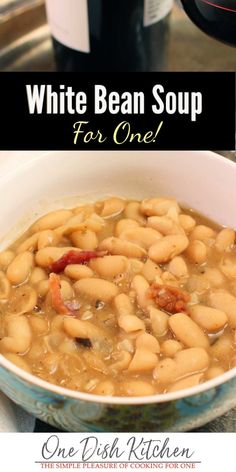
(168,298)
(57,301)
(74,257)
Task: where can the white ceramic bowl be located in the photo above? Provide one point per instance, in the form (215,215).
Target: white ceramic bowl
(201,180)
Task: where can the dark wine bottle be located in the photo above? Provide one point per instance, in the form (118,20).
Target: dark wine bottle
(109,35)
(215,17)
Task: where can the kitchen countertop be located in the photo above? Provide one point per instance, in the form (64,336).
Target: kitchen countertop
(189,50)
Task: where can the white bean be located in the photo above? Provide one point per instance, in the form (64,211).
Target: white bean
(82,329)
(228,266)
(109,266)
(39,325)
(47,238)
(144,237)
(233,287)
(141,286)
(39,240)
(178,267)
(67,291)
(202,233)
(124,224)
(165,372)
(122,362)
(57,323)
(143,361)
(135,266)
(106,387)
(210,319)
(23,300)
(173,213)
(191,361)
(148,342)
(85,209)
(187,222)
(214,372)
(19,336)
(30,244)
(19,269)
(197,252)
(43,287)
(94,222)
(98,289)
(187,382)
(78,271)
(168,247)
(137,388)
(222,348)
(112,207)
(5,287)
(6,257)
(37,275)
(130,323)
(124,248)
(165,225)
(151,270)
(170,347)
(158,206)
(132,211)
(187,331)
(73,224)
(51,220)
(159,321)
(225,239)
(86,240)
(224,301)
(123,305)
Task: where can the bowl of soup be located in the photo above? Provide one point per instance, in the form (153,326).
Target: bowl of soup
(118,289)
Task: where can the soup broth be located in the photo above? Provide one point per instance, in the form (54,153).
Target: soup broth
(118,297)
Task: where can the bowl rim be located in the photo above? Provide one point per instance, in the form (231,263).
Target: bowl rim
(50,388)
(35,381)
(34,159)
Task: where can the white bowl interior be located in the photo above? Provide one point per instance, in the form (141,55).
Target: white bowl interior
(200,180)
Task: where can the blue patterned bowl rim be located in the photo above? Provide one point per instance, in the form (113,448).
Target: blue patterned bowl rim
(89,397)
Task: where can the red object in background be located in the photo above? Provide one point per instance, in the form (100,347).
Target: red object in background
(215,17)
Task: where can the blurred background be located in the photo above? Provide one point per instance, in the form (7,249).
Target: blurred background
(25,42)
